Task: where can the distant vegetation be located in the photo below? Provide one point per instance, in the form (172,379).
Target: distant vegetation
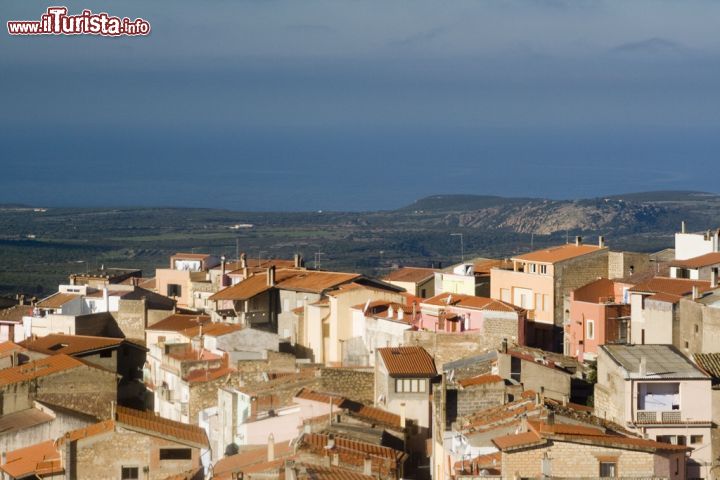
(38,249)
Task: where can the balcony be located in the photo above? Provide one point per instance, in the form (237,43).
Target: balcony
(659,417)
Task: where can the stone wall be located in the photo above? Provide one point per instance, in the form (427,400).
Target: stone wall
(447,347)
(353,383)
(575,273)
(103,456)
(623,264)
(565,461)
(83,389)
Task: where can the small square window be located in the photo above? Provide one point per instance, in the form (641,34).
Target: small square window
(129,473)
(695,439)
(697,328)
(608,469)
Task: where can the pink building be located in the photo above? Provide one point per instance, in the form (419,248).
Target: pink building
(598,316)
(458,313)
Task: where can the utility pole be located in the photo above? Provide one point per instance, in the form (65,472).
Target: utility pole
(462,246)
(317,259)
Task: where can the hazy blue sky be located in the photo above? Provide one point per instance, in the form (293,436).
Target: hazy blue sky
(287,104)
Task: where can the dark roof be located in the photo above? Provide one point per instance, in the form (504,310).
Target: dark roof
(662,361)
(710,363)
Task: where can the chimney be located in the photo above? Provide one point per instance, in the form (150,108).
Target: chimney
(391,311)
(402,415)
(713,278)
(601,241)
(578,241)
(504,345)
(271,448)
(222,265)
(682,227)
(298,260)
(401,313)
(367,466)
(642,368)
(271,276)
(695,292)
(112,410)
(243,260)
(106,301)
(565,401)
(290,472)
(550,418)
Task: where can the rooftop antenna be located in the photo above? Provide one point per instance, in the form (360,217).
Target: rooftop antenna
(318,256)
(532,241)
(237,249)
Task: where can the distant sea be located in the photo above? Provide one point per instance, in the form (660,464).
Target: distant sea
(342,168)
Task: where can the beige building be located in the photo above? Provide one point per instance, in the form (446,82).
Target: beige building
(539,281)
(415,280)
(656,391)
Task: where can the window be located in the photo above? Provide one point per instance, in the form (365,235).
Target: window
(106,354)
(608,469)
(410,385)
(590,329)
(543,269)
(129,473)
(695,439)
(515,368)
(532,267)
(174,290)
(697,328)
(423,293)
(175,454)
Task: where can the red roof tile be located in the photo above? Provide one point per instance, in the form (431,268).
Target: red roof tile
(470,301)
(38,368)
(559,253)
(408,362)
(480,380)
(410,274)
(706,260)
(673,286)
(153,424)
(179,322)
(55,343)
(40,459)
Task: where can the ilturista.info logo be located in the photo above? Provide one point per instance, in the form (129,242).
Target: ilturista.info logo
(56,21)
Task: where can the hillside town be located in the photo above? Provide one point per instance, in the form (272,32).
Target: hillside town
(573,361)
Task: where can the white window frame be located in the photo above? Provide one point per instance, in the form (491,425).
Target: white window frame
(590,329)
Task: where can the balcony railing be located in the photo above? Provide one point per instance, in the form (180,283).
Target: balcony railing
(670,416)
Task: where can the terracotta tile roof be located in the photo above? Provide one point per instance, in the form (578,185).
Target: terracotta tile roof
(617,441)
(240,462)
(193,256)
(559,253)
(408,362)
(674,286)
(16,313)
(91,430)
(220,329)
(354,409)
(709,362)
(38,368)
(410,274)
(40,459)
(318,442)
(179,322)
(57,300)
(470,301)
(12,422)
(519,440)
(665,297)
(541,428)
(316,281)
(201,375)
(374,414)
(8,348)
(601,290)
(480,380)
(150,423)
(307,394)
(194,355)
(706,260)
(253,286)
(482,462)
(306,471)
(54,344)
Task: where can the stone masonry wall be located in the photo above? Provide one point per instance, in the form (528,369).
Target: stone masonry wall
(565,461)
(353,383)
(103,456)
